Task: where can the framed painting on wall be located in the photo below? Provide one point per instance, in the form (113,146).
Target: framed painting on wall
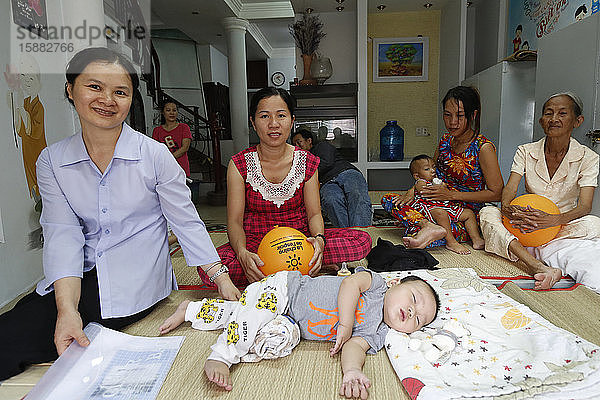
(400,59)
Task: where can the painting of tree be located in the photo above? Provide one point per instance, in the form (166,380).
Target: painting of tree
(400,59)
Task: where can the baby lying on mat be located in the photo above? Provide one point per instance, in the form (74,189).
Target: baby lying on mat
(355,312)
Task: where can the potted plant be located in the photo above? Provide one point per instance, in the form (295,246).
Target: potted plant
(307,33)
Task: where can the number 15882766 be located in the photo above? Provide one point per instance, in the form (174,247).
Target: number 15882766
(46,47)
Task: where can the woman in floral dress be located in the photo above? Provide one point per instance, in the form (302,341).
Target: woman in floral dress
(274,183)
(466,162)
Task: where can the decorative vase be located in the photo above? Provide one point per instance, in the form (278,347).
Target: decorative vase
(307,79)
(391,142)
(321,69)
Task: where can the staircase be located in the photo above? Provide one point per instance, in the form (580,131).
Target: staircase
(204,154)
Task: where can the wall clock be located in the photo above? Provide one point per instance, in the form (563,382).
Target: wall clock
(278,78)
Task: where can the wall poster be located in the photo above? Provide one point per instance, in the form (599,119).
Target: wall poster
(31,14)
(530,20)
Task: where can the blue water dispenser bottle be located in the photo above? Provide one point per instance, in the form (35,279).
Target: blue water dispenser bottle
(391,142)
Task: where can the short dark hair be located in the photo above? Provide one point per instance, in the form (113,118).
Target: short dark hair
(582,9)
(97,54)
(271,91)
(306,134)
(412,167)
(436,297)
(519,28)
(469,97)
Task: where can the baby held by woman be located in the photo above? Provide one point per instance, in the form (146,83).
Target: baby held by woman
(440,212)
(355,312)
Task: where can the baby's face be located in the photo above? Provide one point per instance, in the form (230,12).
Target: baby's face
(426,170)
(409,306)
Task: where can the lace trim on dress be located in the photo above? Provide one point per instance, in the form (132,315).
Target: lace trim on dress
(277,193)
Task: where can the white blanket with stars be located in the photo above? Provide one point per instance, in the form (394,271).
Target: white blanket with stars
(511,352)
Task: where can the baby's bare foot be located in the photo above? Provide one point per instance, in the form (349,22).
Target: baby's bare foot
(218,373)
(478,244)
(545,280)
(175,319)
(457,248)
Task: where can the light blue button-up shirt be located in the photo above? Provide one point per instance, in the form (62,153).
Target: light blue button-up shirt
(117,221)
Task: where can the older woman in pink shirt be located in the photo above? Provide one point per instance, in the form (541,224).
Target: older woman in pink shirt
(559,168)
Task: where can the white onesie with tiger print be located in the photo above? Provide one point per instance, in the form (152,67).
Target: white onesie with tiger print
(241,320)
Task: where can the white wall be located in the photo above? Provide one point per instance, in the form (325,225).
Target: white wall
(20,267)
(487,14)
(282,60)
(213,64)
(338,45)
(451,51)
(219,67)
(180,71)
(470,42)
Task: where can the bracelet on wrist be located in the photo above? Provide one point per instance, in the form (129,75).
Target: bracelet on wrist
(212,266)
(219,272)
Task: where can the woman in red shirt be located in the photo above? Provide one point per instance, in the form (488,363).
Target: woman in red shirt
(176,135)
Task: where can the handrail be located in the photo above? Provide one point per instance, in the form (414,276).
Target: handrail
(168,98)
(162,96)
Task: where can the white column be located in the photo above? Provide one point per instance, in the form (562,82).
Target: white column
(238,85)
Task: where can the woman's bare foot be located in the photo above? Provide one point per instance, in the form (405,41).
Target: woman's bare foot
(457,247)
(478,244)
(545,280)
(175,319)
(218,373)
(429,233)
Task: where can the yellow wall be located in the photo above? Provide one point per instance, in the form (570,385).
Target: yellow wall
(412,104)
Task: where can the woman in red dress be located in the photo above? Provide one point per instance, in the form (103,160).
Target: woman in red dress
(176,135)
(466,162)
(275,183)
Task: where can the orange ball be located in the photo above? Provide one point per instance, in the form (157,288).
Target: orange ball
(540,236)
(285,249)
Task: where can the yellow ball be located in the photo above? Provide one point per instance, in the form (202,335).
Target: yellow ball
(285,249)
(540,236)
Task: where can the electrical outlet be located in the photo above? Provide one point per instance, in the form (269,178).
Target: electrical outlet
(422,131)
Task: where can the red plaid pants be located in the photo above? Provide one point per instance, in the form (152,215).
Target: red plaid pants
(343,244)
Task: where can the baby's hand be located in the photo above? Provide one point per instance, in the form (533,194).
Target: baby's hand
(355,385)
(343,334)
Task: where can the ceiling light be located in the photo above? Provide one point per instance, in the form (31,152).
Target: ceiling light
(469,3)
(427,5)
(309,10)
(340,1)
(339,8)
(381,7)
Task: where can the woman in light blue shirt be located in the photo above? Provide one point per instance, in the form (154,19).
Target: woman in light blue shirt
(107,194)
